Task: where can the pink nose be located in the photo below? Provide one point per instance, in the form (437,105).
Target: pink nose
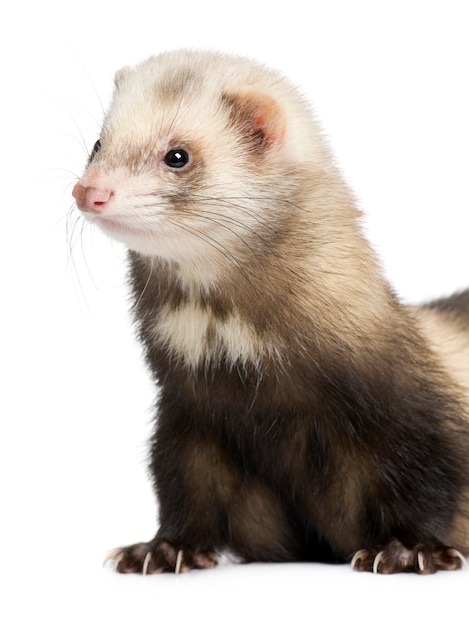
(91,199)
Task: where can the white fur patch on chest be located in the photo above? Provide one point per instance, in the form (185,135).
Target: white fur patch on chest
(194,334)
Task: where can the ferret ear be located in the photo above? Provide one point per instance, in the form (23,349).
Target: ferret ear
(120,75)
(259,118)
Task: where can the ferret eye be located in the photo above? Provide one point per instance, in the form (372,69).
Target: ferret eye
(96,149)
(177,158)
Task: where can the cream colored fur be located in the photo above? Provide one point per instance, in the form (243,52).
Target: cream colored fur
(449,340)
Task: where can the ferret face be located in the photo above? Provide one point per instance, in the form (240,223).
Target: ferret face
(190,164)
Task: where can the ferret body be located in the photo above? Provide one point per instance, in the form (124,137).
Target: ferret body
(303,412)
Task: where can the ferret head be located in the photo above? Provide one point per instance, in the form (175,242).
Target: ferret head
(198,157)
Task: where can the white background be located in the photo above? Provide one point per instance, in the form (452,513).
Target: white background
(389,80)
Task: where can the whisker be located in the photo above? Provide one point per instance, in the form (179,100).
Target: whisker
(70,232)
(212,242)
(208,216)
(70,236)
(83,225)
(233,200)
(222,220)
(176,114)
(238,207)
(219,248)
(73,237)
(81,136)
(87,74)
(150,274)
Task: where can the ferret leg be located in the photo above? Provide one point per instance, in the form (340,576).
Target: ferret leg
(241,516)
(192,479)
(206,505)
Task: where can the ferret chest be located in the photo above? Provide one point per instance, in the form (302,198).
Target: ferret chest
(194,333)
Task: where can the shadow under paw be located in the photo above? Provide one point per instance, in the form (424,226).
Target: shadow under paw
(394,557)
(158,556)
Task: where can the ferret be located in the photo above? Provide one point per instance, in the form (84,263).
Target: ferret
(303,412)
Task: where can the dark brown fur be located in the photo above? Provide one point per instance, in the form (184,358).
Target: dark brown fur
(309,462)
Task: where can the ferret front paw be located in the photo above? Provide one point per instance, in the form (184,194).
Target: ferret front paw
(394,558)
(159,556)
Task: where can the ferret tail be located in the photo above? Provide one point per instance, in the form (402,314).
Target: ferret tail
(456,304)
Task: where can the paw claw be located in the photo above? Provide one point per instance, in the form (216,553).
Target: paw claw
(377,561)
(146,564)
(179,558)
(458,555)
(115,557)
(421,561)
(357,557)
